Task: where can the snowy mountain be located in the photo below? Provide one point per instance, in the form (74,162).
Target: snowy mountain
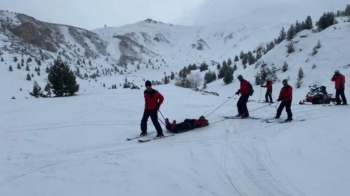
(76,145)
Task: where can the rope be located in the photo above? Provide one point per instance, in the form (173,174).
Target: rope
(161,114)
(220,106)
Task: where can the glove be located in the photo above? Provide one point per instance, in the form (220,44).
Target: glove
(279,99)
(237,93)
(158,106)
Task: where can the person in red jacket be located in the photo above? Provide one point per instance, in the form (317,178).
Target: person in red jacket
(339,80)
(268,94)
(286,96)
(153,100)
(243,99)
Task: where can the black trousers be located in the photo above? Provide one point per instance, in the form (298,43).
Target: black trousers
(338,93)
(268,95)
(242,105)
(154,117)
(287,105)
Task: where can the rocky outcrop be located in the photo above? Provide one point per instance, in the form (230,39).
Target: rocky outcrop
(131,50)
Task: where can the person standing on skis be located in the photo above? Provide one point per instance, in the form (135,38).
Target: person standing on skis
(153,100)
(286,96)
(243,99)
(339,80)
(268,86)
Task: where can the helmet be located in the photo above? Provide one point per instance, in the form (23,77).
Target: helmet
(336,72)
(201,118)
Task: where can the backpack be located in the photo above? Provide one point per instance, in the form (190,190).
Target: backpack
(250,89)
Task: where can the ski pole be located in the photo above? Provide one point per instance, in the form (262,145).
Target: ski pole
(221,105)
(260,95)
(260,107)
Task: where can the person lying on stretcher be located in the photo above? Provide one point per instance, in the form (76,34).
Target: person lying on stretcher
(186,125)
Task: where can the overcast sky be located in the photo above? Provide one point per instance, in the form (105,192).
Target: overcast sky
(92,14)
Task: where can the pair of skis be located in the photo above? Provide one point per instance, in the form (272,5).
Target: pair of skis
(270,120)
(238,117)
(148,140)
(274,120)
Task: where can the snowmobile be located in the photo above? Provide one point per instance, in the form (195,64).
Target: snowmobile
(318,95)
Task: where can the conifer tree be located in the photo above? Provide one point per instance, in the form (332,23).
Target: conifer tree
(291,33)
(47,87)
(245,59)
(241,56)
(228,77)
(229,62)
(166,80)
(314,66)
(300,73)
(290,47)
(282,36)
(326,20)
(28,77)
(27,68)
(300,78)
(36,90)
(236,58)
(298,27)
(285,66)
(18,66)
(308,23)
(10,68)
(251,58)
(203,67)
(223,70)
(2,59)
(62,79)
(234,68)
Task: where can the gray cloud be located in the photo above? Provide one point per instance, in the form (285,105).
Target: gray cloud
(91,14)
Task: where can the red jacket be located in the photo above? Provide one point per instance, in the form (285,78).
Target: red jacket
(286,93)
(244,88)
(268,85)
(339,80)
(152,98)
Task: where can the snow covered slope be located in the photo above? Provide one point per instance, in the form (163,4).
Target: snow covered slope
(76,146)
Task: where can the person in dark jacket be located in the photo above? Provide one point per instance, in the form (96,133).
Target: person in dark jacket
(268,95)
(186,125)
(339,81)
(153,100)
(286,96)
(243,99)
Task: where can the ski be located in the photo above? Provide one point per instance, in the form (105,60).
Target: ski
(150,133)
(156,138)
(284,121)
(237,117)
